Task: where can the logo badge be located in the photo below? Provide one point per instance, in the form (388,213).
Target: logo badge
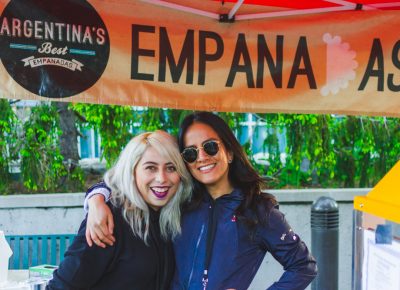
(341,65)
(53,48)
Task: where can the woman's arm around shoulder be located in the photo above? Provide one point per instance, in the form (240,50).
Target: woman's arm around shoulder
(289,250)
(100,222)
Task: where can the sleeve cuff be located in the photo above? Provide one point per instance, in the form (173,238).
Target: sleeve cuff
(103,191)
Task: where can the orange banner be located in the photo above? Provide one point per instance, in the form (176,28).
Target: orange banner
(135,53)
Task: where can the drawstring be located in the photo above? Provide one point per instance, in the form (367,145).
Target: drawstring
(212,226)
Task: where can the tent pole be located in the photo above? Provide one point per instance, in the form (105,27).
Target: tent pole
(385,5)
(183,8)
(235,8)
(347,3)
(293,12)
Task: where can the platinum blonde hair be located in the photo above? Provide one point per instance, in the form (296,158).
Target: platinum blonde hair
(121,179)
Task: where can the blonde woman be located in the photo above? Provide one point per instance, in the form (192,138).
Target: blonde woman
(149,183)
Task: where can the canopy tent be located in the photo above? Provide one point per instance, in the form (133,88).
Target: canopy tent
(244,56)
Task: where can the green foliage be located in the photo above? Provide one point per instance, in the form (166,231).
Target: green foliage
(365,148)
(73,181)
(41,162)
(331,151)
(308,140)
(160,119)
(274,127)
(117,124)
(8,138)
(321,150)
(324,150)
(114,124)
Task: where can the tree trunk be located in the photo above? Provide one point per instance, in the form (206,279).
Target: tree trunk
(69,137)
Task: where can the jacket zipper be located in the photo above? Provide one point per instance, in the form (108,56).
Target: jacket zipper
(194,256)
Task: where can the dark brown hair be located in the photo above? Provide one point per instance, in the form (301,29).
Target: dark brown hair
(241,174)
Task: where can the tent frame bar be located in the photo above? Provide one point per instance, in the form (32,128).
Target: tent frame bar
(183,8)
(346,6)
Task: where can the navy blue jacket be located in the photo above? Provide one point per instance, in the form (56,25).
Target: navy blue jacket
(238,250)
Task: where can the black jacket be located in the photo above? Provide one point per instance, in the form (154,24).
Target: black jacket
(128,264)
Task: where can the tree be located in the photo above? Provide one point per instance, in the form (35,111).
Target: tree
(69,136)
(41,161)
(69,146)
(8,143)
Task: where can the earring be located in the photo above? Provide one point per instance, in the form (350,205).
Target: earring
(230,161)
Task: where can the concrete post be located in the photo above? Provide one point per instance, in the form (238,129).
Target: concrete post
(325,242)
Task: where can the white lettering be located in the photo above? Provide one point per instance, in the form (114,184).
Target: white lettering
(28,28)
(76,33)
(48,48)
(49,30)
(52,31)
(38,29)
(5,28)
(16,27)
(87,37)
(60,27)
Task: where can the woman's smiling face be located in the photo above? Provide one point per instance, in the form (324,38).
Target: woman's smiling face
(212,171)
(156,178)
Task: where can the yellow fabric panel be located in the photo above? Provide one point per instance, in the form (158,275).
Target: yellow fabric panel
(384,199)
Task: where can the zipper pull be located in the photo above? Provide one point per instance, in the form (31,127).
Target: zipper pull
(205,279)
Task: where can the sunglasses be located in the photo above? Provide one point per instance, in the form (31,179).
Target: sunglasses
(190,154)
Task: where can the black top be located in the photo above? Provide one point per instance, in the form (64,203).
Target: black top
(128,264)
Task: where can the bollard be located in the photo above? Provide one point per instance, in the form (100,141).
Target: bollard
(325,243)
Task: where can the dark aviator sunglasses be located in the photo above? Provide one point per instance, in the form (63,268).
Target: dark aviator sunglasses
(190,154)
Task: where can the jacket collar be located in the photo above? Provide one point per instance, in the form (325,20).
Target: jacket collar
(231,200)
